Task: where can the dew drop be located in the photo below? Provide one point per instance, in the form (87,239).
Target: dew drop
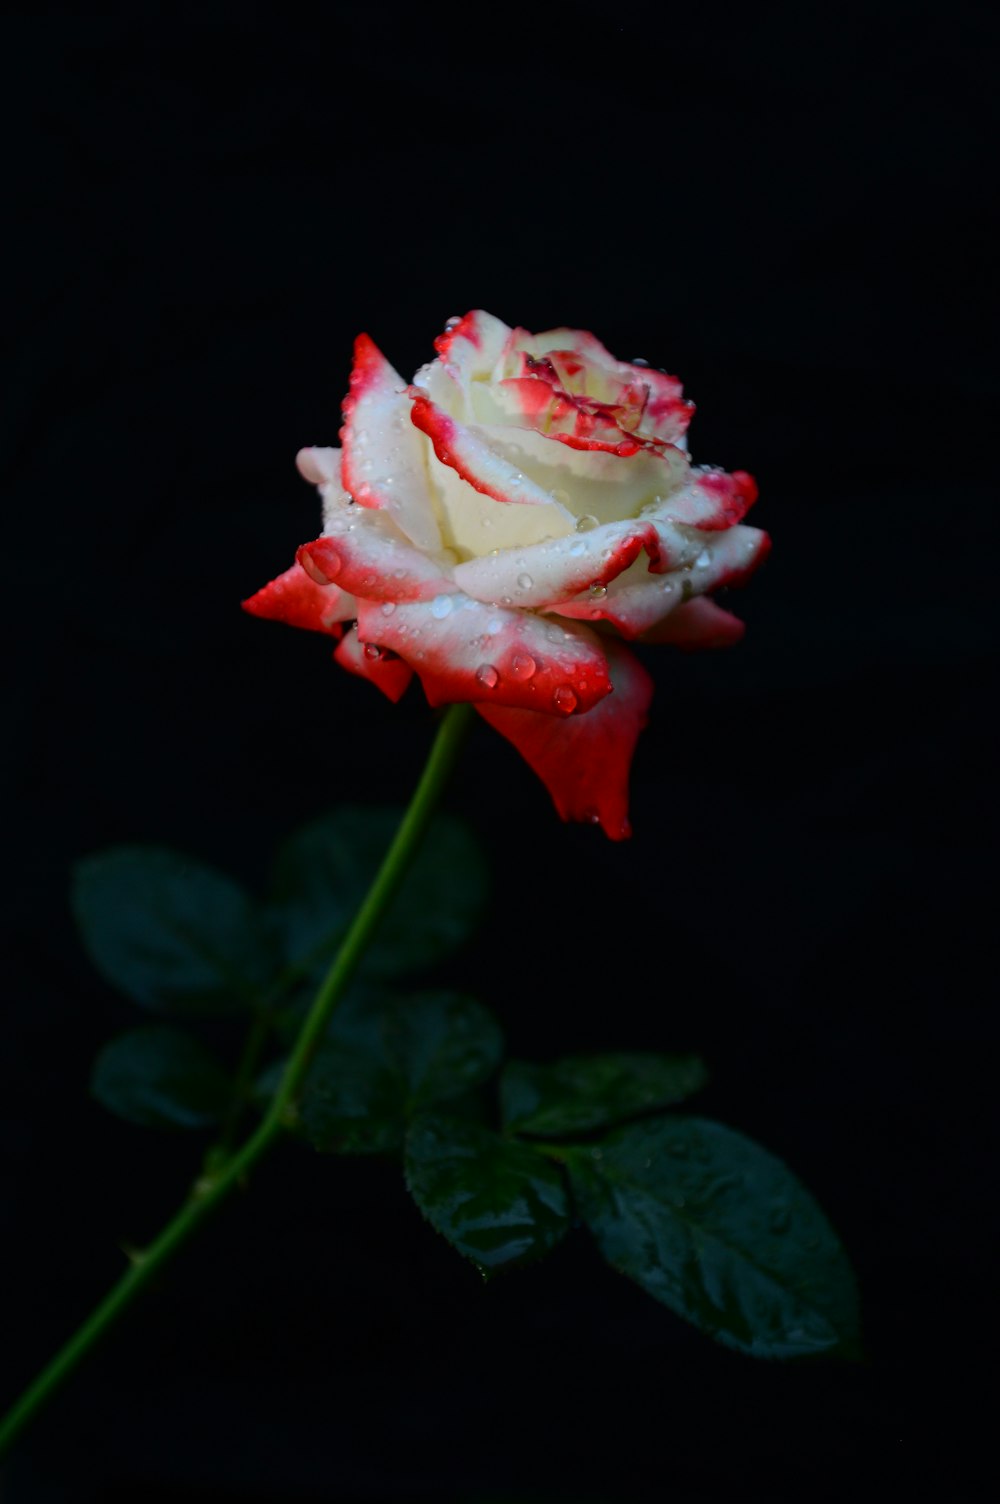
(524,582)
(368,581)
(598,590)
(388,607)
(586,522)
(564,699)
(578,549)
(487,675)
(637,360)
(703,560)
(523,666)
(372,650)
(493,626)
(441,606)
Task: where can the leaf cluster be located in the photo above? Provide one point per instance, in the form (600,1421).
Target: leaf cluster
(503,1157)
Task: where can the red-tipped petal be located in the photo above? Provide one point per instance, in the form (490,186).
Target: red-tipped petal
(382,464)
(387,672)
(363,551)
(465,650)
(542,573)
(471,346)
(585,762)
(299,601)
(462,447)
(698,563)
(697,625)
(713,501)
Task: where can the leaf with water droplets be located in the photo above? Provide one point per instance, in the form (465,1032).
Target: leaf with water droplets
(160,1078)
(498,1202)
(171,932)
(722,1232)
(324,871)
(583,1092)
(387,1057)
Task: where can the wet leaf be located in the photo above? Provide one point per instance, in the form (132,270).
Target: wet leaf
(171,933)
(722,1232)
(497,1201)
(160,1078)
(389,1056)
(324,871)
(583,1092)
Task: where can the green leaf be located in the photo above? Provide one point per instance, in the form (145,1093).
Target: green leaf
(160,1078)
(171,933)
(582,1092)
(497,1201)
(387,1057)
(324,871)
(720,1231)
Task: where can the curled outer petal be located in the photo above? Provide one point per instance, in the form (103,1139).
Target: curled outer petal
(462,447)
(387,672)
(698,624)
(299,601)
(383,463)
(637,601)
(364,552)
(542,573)
(462,649)
(584,762)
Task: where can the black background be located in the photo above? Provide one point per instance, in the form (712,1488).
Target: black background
(791,208)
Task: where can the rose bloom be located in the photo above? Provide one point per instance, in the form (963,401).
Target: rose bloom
(503,525)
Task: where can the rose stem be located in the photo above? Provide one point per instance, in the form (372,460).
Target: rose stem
(212,1189)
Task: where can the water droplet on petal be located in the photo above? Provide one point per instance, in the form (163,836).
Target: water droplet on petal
(523,666)
(388,607)
(597,590)
(441,606)
(703,560)
(578,549)
(563,698)
(586,522)
(372,650)
(524,582)
(487,675)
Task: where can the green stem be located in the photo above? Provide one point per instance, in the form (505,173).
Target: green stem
(213,1188)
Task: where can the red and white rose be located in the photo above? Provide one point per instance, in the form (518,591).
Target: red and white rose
(503,525)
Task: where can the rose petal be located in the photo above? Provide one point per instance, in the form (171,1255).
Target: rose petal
(462,447)
(299,601)
(387,672)
(713,500)
(637,600)
(470,346)
(383,464)
(464,650)
(585,762)
(606,487)
(364,552)
(543,573)
(583,365)
(319,464)
(696,625)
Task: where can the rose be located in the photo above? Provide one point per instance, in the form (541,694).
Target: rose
(501,526)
